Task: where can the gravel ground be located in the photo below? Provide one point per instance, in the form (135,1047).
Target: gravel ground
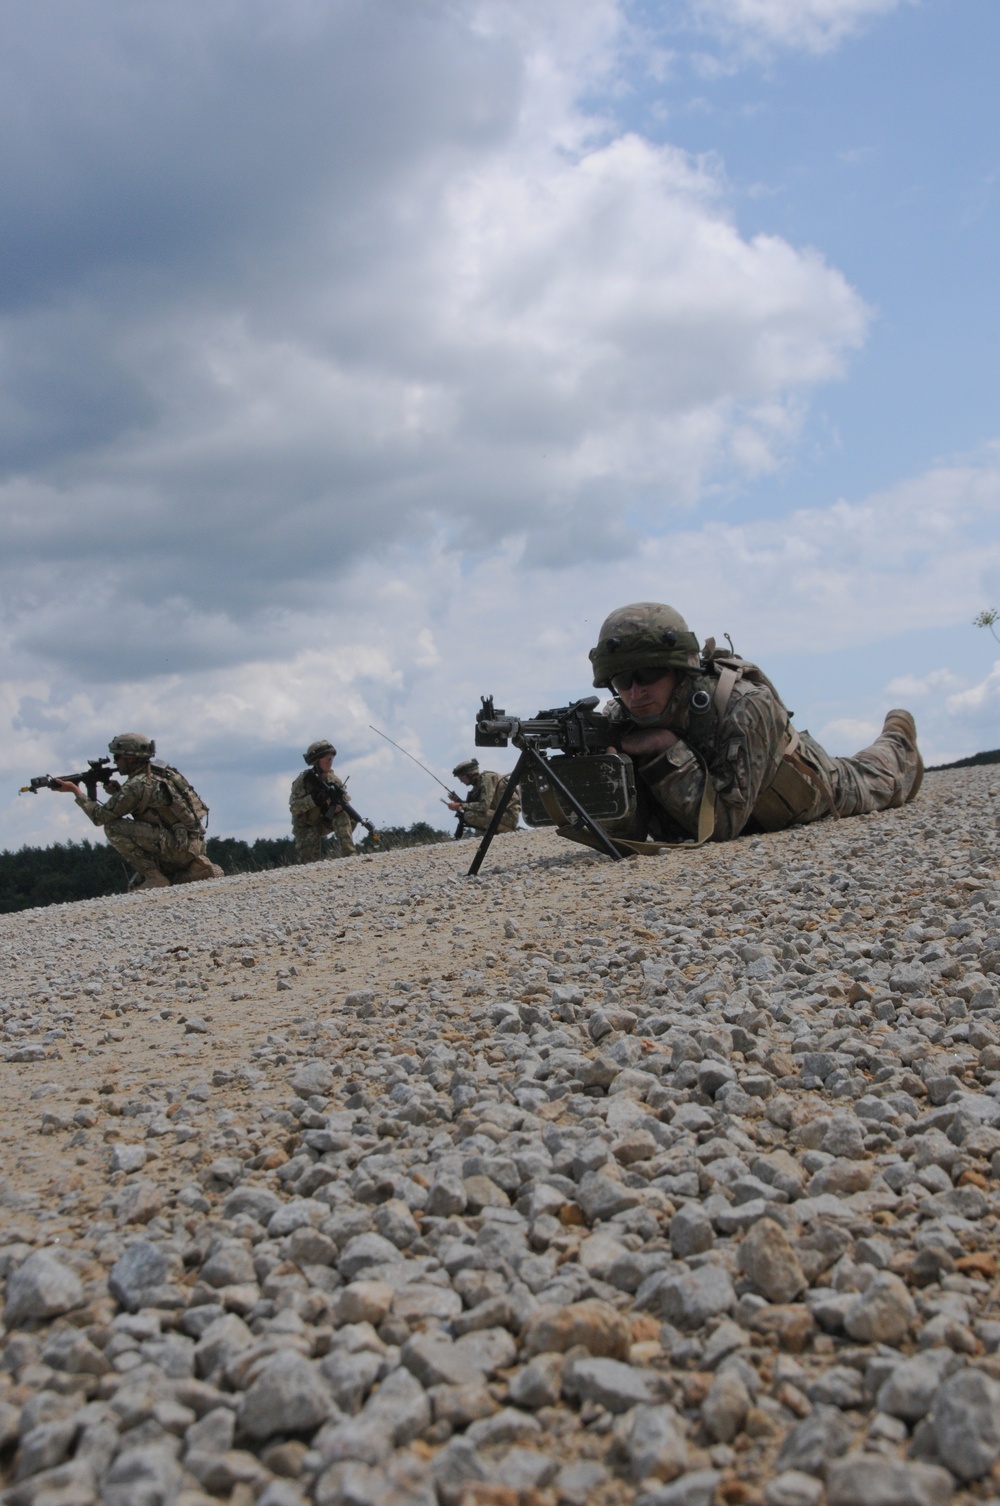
(669,1181)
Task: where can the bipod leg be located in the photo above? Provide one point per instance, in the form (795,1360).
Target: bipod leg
(567,794)
(498,814)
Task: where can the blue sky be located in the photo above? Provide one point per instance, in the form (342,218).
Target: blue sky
(884,153)
(357,357)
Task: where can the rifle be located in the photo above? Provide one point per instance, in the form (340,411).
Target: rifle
(98,772)
(460,827)
(333,798)
(578,733)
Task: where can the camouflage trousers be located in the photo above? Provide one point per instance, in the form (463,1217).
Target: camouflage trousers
(154,849)
(878,778)
(309,839)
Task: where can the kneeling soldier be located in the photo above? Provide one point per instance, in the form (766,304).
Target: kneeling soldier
(315,814)
(156,819)
(485,791)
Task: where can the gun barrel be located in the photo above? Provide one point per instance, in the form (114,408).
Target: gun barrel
(98,771)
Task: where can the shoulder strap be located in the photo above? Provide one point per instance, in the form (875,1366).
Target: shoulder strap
(728,678)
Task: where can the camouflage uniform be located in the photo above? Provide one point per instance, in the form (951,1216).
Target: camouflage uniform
(310,826)
(484,797)
(765,775)
(153,827)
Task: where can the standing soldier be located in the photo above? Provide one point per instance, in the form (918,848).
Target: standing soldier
(156,820)
(485,790)
(316,808)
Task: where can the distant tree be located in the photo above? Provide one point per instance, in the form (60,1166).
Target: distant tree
(236,856)
(420,834)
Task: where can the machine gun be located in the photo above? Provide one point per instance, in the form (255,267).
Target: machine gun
(97,772)
(332,798)
(587,783)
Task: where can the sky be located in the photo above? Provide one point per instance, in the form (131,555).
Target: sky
(357,357)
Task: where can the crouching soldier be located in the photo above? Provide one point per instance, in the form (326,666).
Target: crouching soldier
(485,791)
(155,820)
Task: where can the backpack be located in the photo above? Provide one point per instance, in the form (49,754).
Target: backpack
(187,808)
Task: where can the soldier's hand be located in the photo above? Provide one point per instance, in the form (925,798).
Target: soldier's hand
(66,787)
(648,741)
(454,805)
(113,787)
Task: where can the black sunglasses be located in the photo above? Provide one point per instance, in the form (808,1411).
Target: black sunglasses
(639,677)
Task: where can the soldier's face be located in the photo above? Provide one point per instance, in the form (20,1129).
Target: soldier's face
(647,701)
(325,764)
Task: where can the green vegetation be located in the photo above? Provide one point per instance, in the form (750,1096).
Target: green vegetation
(37,876)
(417,835)
(968,763)
(988,619)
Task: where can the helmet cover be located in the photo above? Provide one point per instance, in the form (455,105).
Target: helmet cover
(467,769)
(131,745)
(645,635)
(318,750)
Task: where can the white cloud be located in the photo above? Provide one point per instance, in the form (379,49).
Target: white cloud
(911,688)
(355,368)
(848,732)
(497,312)
(810,25)
(978,705)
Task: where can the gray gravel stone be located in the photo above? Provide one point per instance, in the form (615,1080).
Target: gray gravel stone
(539,1383)
(910,1388)
(364,1251)
(966,1419)
(653,1443)
(690,1232)
(609,1383)
(690,1300)
(793,1488)
(724,1409)
(289,1396)
(135,1279)
(872,1480)
(148,1476)
(42,1287)
(436,1360)
(812,1444)
(698,1488)
(576,1484)
(883,1313)
(767,1256)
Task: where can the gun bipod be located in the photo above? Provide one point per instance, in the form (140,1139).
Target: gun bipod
(531,757)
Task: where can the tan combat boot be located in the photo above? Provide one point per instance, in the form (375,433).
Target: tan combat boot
(902,725)
(198,869)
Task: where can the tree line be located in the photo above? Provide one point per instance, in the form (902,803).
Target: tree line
(67,871)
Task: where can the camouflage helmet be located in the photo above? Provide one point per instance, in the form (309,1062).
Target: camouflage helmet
(131,745)
(318,750)
(646,635)
(467,769)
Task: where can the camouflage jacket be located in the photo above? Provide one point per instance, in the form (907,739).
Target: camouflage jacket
(145,796)
(483,799)
(741,754)
(302,805)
